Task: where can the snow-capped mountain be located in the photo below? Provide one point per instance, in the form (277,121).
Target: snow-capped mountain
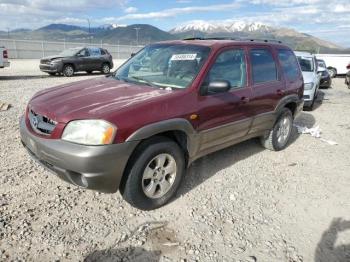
(111,26)
(221,27)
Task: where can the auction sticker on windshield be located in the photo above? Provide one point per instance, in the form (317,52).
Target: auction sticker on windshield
(177,57)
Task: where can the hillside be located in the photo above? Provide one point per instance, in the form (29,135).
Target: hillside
(127,34)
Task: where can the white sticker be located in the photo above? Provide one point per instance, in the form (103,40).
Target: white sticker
(179,57)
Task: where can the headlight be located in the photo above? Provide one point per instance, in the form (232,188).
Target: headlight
(89,132)
(54,62)
(308,86)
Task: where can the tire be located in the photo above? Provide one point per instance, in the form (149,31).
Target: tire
(68,70)
(271,140)
(137,188)
(105,68)
(332,72)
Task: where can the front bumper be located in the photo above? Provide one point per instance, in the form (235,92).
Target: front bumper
(94,167)
(48,68)
(326,82)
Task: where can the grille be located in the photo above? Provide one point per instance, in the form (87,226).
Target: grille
(45,61)
(41,124)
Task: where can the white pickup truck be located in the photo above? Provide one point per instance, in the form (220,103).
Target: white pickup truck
(4,58)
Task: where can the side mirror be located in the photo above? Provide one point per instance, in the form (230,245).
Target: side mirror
(80,55)
(219,86)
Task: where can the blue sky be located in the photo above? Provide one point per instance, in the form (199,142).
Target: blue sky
(329,20)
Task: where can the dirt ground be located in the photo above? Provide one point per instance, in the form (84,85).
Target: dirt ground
(243,203)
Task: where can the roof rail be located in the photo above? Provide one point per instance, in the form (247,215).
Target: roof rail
(237,39)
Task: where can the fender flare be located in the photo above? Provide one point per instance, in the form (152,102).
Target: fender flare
(175,124)
(293,98)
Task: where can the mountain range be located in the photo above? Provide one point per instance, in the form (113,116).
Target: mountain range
(144,34)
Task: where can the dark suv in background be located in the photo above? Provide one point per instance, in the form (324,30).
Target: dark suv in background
(73,60)
(170,104)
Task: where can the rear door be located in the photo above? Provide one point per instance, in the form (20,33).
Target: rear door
(267,87)
(96,58)
(225,117)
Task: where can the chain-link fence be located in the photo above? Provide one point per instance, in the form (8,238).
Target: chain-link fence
(30,49)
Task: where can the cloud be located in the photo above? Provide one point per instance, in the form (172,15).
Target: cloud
(172,12)
(130,10)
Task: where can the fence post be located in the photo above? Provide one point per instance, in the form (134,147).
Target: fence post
(15,48)
(118,50)
(42,48)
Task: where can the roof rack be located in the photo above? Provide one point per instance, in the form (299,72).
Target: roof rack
(237,39)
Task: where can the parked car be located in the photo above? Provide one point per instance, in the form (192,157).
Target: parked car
(326,80)
(73,60)
(4,57)
(173,102)
(347,76)
(312,79)
(336,63)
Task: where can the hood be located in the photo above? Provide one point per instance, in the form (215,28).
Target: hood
(51,57)
(92,98)
(309,77)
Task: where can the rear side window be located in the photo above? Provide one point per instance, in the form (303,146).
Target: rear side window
(289,64)
(94,51)
(263,66)
(230,66)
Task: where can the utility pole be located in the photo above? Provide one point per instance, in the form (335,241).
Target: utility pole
(137,35)
(89,29)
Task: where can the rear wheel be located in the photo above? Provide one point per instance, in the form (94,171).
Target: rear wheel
(68,70)
(154,174)
(278,137)
(332,72)
(106,68)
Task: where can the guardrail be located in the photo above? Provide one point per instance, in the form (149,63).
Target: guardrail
(32,49)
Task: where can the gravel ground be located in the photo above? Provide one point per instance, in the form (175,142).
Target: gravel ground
(243,203)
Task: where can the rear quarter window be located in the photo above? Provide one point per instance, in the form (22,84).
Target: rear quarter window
(289,64)
(263,66)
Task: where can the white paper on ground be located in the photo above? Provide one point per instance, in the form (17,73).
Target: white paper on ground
(315,132)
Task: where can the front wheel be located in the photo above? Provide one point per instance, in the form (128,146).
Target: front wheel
(278,137)
(68,70)
(153,174)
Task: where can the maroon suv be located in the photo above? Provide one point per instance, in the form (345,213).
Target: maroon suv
(171,103)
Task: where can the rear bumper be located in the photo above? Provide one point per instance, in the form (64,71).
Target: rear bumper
(5,64)
(94,167)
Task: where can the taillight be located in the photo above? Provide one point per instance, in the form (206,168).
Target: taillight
(4,54)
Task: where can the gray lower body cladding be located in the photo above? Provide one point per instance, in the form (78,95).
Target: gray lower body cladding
(94,167)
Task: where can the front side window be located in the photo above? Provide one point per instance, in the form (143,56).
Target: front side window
(229,66)
(164,65)
(289,64)
(306,63)
(263,66)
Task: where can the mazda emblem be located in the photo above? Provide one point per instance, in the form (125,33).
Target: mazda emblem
(35,122)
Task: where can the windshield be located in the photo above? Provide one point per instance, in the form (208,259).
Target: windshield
(306,63)
(164,65)
(70,52)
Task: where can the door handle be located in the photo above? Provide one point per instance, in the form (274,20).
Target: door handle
(245,99)
(280,92)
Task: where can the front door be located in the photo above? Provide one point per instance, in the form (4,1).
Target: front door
(225,117)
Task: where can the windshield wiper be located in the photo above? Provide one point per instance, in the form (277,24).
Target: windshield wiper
(144,81)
